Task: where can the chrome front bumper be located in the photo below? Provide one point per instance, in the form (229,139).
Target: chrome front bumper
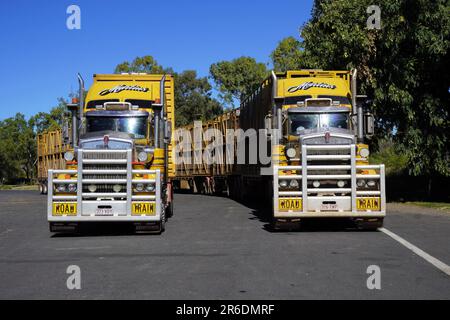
(120,203)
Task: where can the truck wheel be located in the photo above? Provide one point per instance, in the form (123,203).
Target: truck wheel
(162,224)
(41,189)
(169,210)
(45,187)
(369,224)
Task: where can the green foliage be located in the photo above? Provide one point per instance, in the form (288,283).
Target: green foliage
(17,148)
(53,120)
(237,78)
(18,152)
(403,66)
(193,99)
(392,155)
(288,55)
(145,64)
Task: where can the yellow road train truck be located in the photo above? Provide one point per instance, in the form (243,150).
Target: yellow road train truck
(118,166)
(315,128)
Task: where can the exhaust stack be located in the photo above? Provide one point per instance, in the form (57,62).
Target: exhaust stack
(81,101)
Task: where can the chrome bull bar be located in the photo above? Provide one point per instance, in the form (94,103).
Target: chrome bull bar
(120,200)
(311,197)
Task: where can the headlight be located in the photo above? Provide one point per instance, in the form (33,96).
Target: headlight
(61,188)
(139,187)
(361,183)
(364,152)
(92,188)
(294,184)
(283,183)
(72,187)
(142,156)
(316,184)
(371,183)
(341,183)
(117,188)
(291,152)
(150,187)
(69,156)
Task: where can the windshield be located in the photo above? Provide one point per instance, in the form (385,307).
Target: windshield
(134,125)
(302,121)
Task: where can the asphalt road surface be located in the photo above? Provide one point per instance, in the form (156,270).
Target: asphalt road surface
(215,248)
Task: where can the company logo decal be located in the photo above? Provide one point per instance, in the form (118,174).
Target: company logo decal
(121,88)
(308,85)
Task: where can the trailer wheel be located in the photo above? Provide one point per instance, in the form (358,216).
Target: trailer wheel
(41,189)
(45,187)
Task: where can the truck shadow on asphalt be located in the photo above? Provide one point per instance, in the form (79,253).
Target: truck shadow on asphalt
(306,225)
(103,229)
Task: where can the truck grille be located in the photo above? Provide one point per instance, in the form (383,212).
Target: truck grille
(102,170)
(335,153)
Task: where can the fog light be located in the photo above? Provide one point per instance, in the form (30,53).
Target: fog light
(291,152)
(72,187)
(68,156)
(142,156)
(139,187)
(92,188)
(61,188)
(316,184)
(117,188)
(150,187)
(283,183)
(294,184)
(371,183)
(341,183)
(364,152)
(361,183)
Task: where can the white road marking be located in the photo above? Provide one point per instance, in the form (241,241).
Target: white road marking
(435,262)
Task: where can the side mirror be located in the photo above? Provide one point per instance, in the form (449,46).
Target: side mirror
(369,125)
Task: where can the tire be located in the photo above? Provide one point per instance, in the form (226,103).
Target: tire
(169,210)
(41,188)
(45,187)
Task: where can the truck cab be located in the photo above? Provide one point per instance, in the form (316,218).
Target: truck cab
(324,170)
(120,166)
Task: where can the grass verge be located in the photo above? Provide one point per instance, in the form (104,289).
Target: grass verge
(19,187)
(443,206)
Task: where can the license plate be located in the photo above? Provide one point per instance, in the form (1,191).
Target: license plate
(328,207)
(289,204)
(104,212)
(144,208)
(368,204)
(65,209)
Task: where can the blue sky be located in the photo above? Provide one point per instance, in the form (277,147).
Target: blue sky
(40,57)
